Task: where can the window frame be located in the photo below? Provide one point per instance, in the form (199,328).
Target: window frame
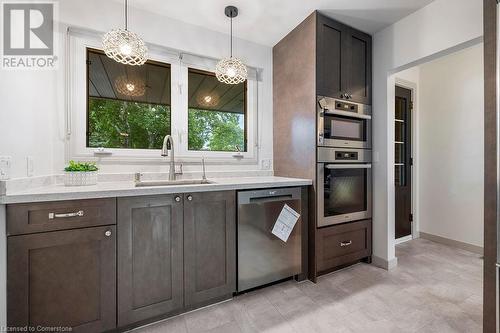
(87,92)
(76,113)
(245,113)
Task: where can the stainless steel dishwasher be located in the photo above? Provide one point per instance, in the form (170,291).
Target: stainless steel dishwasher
(262,257)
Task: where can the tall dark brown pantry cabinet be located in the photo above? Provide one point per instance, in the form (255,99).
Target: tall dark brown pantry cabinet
(320,58)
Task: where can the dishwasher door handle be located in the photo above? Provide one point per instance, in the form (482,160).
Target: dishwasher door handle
(270,195)
(271,199)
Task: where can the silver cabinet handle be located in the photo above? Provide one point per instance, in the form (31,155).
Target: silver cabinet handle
(190,197)
(58,216)
(107,233)
(177,199)
(343,244)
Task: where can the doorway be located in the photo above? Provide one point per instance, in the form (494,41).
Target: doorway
(403,162)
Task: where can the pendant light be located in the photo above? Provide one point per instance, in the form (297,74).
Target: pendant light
(231,70)
(125,46)
(130,86)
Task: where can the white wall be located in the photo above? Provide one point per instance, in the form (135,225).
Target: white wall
(451,152)
(32,108)
(438,28)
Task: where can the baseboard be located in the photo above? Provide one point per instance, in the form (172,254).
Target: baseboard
(403,239)
(452,242)
(385,264)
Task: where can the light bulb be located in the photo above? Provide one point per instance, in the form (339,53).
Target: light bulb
(125,49)
(130,87)
(207,99)
(231,72)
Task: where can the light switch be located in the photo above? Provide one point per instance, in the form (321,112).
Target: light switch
(5,166)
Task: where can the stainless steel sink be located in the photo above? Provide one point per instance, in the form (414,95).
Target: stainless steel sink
(172,182)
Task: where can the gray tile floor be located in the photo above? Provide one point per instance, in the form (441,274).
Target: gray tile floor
(435,288)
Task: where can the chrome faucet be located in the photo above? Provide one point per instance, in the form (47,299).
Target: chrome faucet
(164,152)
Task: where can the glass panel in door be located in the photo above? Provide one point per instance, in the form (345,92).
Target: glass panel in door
(344,128)
(345,191)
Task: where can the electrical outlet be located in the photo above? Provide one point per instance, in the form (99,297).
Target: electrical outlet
(266,164)
(5,166)
(30,166)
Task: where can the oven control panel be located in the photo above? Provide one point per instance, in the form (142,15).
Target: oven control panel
(344,106)
(346,156)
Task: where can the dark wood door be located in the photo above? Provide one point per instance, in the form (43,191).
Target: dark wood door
(403,162)
(357,61)
(330,71)
(150,259)
(209,247)
(63,278)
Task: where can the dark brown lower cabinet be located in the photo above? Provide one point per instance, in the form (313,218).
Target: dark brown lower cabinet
(63,278)
(343,244)
(150,257)
(209,247)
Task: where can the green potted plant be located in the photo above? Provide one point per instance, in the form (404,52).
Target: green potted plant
(80,174)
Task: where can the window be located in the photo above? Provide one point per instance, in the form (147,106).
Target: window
(127,106)
(216,113)
(120,114)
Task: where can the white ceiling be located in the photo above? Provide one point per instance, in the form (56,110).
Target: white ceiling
(267,21)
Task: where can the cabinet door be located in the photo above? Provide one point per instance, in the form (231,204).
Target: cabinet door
(209,247)
(150,257)
(357,60)
(63,278)
(330,71)
(343,244)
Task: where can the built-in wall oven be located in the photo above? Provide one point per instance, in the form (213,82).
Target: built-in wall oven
(344,185)
(343,124)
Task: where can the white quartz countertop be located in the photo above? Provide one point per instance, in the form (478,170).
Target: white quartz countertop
(127,188)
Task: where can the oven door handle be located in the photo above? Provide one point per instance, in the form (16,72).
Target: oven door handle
(346,114)
(348,166)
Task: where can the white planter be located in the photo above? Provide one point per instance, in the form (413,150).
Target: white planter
(80,178)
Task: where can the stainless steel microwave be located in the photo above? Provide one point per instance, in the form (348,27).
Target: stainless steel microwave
(343,124)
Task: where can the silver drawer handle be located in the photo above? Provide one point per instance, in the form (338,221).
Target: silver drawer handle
(58,216)
(346,243)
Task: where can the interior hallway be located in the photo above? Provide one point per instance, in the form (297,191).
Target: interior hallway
(435,288)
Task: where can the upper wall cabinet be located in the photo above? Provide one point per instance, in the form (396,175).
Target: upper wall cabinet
(344,61)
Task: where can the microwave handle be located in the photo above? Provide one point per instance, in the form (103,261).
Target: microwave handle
(348,166)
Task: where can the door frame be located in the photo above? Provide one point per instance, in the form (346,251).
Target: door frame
(415,226)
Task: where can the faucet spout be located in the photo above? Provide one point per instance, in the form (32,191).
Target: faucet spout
(169,141)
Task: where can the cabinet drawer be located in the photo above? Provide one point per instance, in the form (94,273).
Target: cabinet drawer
(59,215)
(343,244)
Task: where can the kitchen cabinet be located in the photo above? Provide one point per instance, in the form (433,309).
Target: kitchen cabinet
(343,244)
(150,258)
(63,278)
(68,264)
(175,252)
(319,57)
(209,247)
(343,61)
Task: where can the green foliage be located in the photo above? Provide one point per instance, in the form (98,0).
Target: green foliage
(123,124)
(133,125)
(81,166)
(215,131)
